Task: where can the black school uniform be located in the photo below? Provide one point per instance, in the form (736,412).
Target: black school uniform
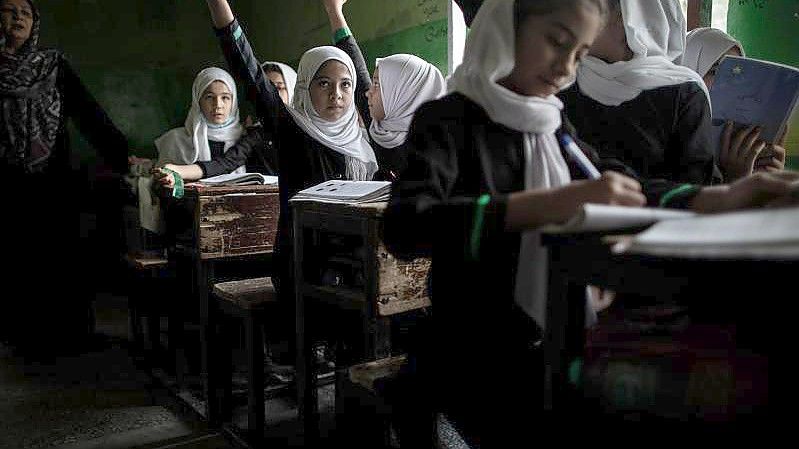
(663,133)
(303,161)
(481,356)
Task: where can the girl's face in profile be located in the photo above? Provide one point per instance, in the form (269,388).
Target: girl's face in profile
(375,98)
(280,83)
(331,90)
(549,47)
(216,103)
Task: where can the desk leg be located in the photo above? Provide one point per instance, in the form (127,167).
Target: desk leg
(307,401)
(205,275)
(255,387)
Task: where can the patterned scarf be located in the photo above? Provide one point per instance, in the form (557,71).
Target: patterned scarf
(30,103)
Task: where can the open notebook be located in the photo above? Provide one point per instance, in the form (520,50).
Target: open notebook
(239,179)
(753,234)
(601,217)
(347,192)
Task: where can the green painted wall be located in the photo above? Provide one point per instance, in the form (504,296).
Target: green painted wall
(769,29)
(139,58)
(381,27)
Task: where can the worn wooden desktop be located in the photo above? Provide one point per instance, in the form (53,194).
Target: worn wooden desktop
(211,225)
(738,291)
(387,287)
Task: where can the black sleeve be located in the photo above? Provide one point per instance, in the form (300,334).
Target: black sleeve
(363,81)
(245,67)
(92,121)
(653,188)
(692,139)
(263,159)
(233,158)
(425,203)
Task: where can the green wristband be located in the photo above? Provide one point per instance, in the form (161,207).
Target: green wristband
(340,34)
(681,190)
(477,225)
(179,190)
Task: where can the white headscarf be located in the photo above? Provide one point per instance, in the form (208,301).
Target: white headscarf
(344,135)
(289,76)
(489,57)
(705,46)
(406,82)
(655,31)
(189,144)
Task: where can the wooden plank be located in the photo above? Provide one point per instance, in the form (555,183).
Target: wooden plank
(402,285)
(235,224)
(203,190)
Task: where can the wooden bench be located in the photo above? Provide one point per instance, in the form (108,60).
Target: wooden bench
(246,300)
(367,415)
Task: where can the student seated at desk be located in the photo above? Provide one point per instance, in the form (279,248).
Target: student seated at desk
(635,105)
(212,141)
(317,139)
(399,85)
(486,169)
(40,93)
(741,152)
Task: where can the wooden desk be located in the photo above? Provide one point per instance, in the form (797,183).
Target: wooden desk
(727,291)
(340,261)
(211,225)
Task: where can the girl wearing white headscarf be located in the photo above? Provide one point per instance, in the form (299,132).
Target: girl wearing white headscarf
(287,76)
(740,151)
(402,83)
(479,156)
(406,82)
(704,48)
(309,148)
(192,143)
(636,106)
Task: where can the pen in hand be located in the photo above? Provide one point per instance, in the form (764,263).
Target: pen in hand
(577,155)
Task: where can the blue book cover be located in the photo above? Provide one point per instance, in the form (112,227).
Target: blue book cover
(753,92)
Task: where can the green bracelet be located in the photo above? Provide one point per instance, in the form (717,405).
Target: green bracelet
(477,226)
(681,190)
(179,189)
(340,34)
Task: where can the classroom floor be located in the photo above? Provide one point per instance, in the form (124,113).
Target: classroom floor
(98,399)
(102,399)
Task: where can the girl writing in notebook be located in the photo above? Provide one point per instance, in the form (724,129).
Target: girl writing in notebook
(741,152)
(386,101)
(487,167)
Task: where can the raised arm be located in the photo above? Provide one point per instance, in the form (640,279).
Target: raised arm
(243,63)
(344,40)
(221,13)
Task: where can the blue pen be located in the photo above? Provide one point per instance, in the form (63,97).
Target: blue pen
(577,155)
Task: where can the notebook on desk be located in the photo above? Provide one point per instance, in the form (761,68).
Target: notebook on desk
(769,234)
(238,179)
(346,192)
(602,217)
